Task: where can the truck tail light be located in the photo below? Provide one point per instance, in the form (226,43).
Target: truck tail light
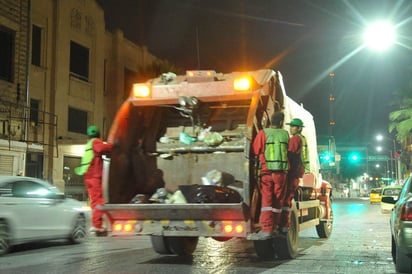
(117,227)
(123,226)
(233,228)
(242,84)
(141,91)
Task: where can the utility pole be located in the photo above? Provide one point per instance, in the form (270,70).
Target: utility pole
(331,104)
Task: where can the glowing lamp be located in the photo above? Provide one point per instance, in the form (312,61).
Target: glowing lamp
(141,90)
(228,228)
(242,84)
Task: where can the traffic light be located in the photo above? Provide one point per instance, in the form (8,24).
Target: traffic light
(354,157)
(326,157)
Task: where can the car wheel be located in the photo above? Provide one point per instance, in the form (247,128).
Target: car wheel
(403,263)
(78,233)
(393,249)
(4,237)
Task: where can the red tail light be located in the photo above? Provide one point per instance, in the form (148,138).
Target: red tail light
(406,213)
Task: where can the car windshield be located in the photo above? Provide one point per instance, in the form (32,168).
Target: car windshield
(376,191)
(391,191)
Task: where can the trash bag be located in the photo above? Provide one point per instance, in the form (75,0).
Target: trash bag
(201,194)
(218,178)
(186,138)
(213,139)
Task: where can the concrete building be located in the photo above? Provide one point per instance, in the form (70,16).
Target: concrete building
(67,73)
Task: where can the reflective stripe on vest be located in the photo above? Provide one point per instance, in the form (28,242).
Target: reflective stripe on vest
(305,154)
(86,159)
(276,149)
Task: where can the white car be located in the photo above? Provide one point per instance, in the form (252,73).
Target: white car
(33,210)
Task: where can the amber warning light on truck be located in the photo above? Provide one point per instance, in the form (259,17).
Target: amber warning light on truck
(141,91)
(242,84)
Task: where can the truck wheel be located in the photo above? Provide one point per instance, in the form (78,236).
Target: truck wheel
(324,228)
(182,246)
(160,245)
(265,249)
(286,246)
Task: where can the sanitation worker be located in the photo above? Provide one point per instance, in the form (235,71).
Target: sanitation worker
(299,164)
(92,167)
(270,145)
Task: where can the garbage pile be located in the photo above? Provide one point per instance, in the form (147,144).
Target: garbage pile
(214,189)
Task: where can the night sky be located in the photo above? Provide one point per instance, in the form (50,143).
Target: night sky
(304,40)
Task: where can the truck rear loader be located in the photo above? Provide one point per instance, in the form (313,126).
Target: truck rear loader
(190,137)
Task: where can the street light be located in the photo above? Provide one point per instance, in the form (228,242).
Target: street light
(379,35)
(397,161)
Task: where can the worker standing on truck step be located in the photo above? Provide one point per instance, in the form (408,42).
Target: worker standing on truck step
(299,163)
(270,145)
(92,168)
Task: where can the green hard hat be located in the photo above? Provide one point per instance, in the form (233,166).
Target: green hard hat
(92,131)
(296,122)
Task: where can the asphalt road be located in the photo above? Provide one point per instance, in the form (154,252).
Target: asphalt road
(360,243)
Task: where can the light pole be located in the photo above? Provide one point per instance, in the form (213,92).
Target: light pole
(397,166)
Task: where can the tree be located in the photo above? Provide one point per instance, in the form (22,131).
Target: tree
(401,120)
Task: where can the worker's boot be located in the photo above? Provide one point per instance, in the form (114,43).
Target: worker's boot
(260,236)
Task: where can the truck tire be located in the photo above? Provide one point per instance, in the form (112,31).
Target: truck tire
(286,246)
(324,228)
(182,246)
(265,249)
(160,245)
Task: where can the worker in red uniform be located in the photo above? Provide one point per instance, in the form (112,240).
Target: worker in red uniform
(92,167)
(270,145)
(298,163)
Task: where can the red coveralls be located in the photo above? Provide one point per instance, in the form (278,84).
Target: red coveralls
(296,171)
(272,188)
(93,180)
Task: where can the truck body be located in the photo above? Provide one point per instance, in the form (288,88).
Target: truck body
(191,136)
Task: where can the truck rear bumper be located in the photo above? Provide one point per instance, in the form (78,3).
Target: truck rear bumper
(190,220)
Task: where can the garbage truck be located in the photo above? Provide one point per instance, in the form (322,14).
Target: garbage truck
(182,165)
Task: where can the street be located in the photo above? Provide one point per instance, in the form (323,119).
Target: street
(360,243)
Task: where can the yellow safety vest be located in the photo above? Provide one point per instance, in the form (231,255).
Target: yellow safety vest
(276,148)
(86,159)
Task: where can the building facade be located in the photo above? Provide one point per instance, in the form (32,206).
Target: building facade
(66,72)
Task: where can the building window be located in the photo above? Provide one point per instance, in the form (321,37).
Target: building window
(36,37)
(77,120)
(73,184)
(34,112)
(6,53)
(79,61)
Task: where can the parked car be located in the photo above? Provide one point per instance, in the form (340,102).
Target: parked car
(375,195)
(401,227)
(392,191)
(33,210)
